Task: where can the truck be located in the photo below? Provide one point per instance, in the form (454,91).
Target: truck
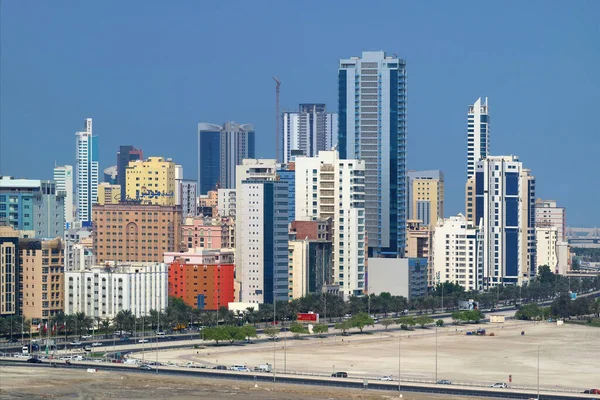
(263,368)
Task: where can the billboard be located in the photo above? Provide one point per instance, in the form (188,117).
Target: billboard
(307,317)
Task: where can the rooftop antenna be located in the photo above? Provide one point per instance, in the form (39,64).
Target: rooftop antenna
(277,86)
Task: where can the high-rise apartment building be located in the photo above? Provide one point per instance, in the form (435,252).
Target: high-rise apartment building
(103,290)
(426,196)
(129,232)
(478,134)
(220,150)
(87,170)
(152,181)
(226,202)
(108,193)
(458,253)
(372,128)
(505,200)
(548,214)
(187,199)
(470,201)
(125,155)
(9,271)
(419,243)
(63,177)
(309,130)
(42,278)
(33,206)
(329,187)
(261,235)
(287,174)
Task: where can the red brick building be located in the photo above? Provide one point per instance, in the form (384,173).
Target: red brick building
(204,286)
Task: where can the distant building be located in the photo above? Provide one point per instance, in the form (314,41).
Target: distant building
(33,206)
(130,232)
(328,187)
(77,254)
(220,150)
(10,271)
(478,134)
(398,276)
(551,250)
(208,232)
(226,202)
(152,181)
(108,193)
(309,130)
(103,290)
(87,172)
(458,253)
(63,177)
(208,204)
(310,266)
(203,279)
(548,214)
(287,174)
(419,244)
(125,155)
(188,200)
(41,278)
(426,196)
(470,196)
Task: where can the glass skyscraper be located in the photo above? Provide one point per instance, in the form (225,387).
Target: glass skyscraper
(87,173)
(372,127)
(478,134)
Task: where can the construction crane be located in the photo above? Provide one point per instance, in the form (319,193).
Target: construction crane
(277,150)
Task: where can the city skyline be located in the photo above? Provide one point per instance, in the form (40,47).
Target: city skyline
(170,106)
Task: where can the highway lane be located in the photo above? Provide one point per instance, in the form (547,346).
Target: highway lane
(318,381)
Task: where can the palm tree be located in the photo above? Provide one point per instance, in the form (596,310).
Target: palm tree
(105,324)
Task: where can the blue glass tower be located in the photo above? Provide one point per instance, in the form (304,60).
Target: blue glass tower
(372,127)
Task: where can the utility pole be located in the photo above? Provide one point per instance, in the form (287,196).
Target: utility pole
(277,144)
(538,374)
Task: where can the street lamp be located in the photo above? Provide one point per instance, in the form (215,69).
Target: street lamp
(436,354)
(538,373)
(399,363)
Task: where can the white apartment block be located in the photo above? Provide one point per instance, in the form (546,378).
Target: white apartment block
(63,176)
(103,291)
(309,130)
(548,214)
(478,134)
(226,202)
(298,272)
(458,253)
(505,202)
(328,187)
(550,250)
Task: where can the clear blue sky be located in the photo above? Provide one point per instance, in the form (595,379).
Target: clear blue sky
(148,71)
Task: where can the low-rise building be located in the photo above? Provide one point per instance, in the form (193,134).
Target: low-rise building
(310,266)
(208,204)
(104,290)
(418,244)
(109,193)
(208,233)
(398,276)
(226,202)
(203,279)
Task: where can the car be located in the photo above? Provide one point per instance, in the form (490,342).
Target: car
(76,343)
(125,339)
(240,368)
(385,378)
(143,341)
(592,391)
(274,337)
(499,385)
(96,344)
(86,337)
(444,382)
(340,374)
(160,333)
(145,367)
(13,340)
(87,348)
(220,367)
(34,360)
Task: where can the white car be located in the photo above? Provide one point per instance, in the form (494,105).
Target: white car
(385,378)
(96,344)
(143,341)
(76,343)
(86,337)
(501,385)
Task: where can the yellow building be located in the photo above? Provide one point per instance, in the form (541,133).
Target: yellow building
(470,201)
(152,181)
(426,196)
(419,244)
(42,278)
(108,193)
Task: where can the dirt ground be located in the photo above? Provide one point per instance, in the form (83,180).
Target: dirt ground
(28,383)
(568,355)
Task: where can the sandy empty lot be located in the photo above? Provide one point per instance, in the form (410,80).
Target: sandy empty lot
(569,355)
(30,384)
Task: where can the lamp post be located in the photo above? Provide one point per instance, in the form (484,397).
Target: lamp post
(538,373)
(369,300)
(436,355)
(274,325)
(399,363)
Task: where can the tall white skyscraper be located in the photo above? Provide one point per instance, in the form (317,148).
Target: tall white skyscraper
(327,187)
(308,131)
(505,202)
(63,177)
(478,134)
(87,173)
(372,128)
